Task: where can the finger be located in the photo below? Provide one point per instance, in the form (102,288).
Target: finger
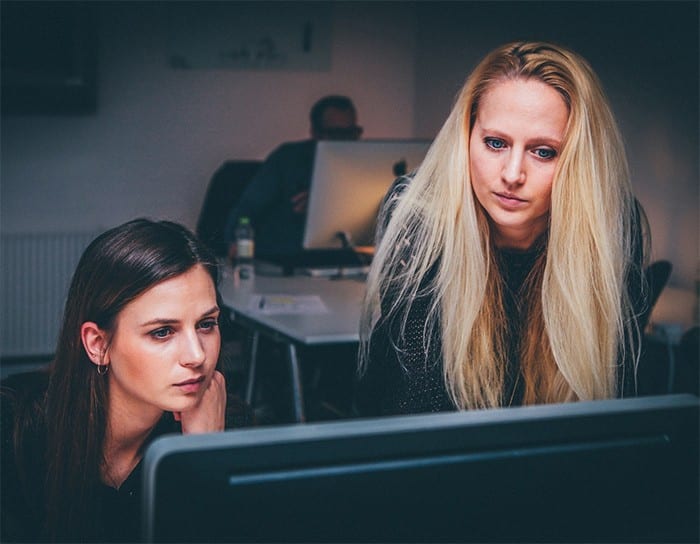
(209,415)
(300,196)
(218,379)
(300,206)
(177,416)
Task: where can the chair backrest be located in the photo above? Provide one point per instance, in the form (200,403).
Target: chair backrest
(225,188)
(656,276)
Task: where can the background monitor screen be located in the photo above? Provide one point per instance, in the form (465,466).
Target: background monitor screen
(612,471)
(348,182)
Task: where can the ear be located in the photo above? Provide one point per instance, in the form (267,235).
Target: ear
(95,342)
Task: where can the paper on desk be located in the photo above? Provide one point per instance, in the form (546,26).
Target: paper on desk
(287,304)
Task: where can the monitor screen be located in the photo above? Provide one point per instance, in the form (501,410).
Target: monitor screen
(619,470)
(348,182)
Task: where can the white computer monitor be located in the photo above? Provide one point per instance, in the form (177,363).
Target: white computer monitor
(349,180)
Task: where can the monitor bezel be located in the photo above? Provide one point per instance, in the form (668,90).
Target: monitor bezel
(265,452)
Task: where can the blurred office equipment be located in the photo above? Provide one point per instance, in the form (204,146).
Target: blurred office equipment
(348,183)
(687,376)
(225,188)
(273,309)
(600,471)
(670,352)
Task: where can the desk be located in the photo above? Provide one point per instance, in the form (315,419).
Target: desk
(342,297)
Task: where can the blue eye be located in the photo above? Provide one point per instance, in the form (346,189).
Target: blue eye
(494,143)
(208,324)
(163,332)
(545,153)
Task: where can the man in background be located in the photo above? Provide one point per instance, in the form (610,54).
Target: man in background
(275,199)
(275,202)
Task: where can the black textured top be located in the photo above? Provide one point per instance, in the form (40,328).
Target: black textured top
(117,512)
(402,377)
(406,381)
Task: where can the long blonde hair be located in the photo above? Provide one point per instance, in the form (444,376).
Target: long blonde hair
(438,242)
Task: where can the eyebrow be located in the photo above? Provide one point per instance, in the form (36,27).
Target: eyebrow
(170,321)
(547,140)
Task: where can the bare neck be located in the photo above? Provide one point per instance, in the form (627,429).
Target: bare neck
(124,439)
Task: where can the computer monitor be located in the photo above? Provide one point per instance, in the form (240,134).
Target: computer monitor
(349,180)
(619,470)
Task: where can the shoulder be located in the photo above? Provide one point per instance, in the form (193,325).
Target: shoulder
(390,200)
(288,161)
(394,193)
(399,185)
(23,454)
(293,149)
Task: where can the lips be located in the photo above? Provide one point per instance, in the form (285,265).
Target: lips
(510,197)
(191,385)
(510,201)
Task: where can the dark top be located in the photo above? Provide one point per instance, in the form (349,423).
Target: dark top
(406,380)
(267,200)
(118,510)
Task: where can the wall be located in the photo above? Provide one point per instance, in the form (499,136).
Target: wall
(646,54)
(160,133)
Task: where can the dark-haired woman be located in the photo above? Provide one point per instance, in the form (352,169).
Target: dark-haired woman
(136,358)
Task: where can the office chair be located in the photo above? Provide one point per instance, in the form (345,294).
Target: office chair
(225,188)
(688,375)
(655,373)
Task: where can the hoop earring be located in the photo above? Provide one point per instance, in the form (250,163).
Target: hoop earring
(102,369)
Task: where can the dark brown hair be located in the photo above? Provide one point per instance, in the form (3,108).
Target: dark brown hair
(116,267)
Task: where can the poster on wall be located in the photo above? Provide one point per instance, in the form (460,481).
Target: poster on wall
(293,36)
(48,58)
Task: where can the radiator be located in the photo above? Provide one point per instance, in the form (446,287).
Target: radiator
(36,270)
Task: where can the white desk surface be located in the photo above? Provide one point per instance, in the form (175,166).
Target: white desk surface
(342,297)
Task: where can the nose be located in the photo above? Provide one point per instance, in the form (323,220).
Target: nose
(513,171)
(192,352)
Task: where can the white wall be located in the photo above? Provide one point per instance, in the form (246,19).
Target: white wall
(159,133)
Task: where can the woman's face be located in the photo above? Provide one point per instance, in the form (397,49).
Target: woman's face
(513,152)
(165,347)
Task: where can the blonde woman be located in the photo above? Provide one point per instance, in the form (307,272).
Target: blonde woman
(509,266)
